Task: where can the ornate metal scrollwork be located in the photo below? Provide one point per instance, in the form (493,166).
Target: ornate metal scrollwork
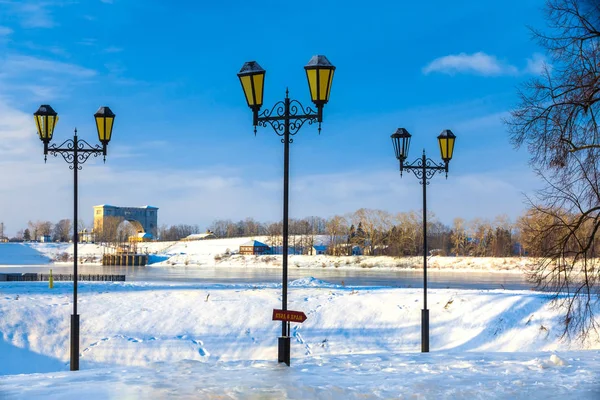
(424,173)
(67,150)
(297,116)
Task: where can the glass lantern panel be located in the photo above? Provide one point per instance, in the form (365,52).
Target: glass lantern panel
(330,82)
(311,74)
(39,125)
(259,80)
(108,122)
(446,146)
(247,86)
(324,84)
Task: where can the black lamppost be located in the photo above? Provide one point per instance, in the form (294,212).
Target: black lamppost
(424,169)
(75,152)
(286,118)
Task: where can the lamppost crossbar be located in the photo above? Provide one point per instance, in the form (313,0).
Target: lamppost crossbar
(424,169)
(67,150)
(298,115)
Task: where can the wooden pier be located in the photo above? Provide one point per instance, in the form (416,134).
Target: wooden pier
(125,259)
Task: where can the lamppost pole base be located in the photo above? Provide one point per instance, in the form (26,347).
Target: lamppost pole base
(74,342)
(425,331)
(284,350)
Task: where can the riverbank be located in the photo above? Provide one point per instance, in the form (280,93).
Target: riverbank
(147,340)
(222,253)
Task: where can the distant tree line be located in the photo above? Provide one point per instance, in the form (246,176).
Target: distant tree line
(377,232)
(176,232)
(62,231)
(374,232)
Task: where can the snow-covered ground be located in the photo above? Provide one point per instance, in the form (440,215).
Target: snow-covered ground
(221,252)
(177,340)
(20,254)
(143,340)
(436,376)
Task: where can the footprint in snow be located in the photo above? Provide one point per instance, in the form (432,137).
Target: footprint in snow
(91,346)
(202,352)
(99,341)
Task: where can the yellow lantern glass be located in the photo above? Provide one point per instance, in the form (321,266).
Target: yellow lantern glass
(105,119)
(319,72)
(446,140)
(252,78)
(45,121)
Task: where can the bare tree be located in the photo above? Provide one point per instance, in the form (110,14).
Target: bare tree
(337,229)
(108,231)
(33,229)
(408,233)
(557,120)
(62,230)
(274,232)
(459,237)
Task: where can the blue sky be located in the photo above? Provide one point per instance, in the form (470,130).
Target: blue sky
(183,139)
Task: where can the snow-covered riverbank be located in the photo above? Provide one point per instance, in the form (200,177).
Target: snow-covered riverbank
(221,253)
(157,340)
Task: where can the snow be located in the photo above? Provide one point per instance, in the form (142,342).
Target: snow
(20,254)
(222,253)
(142,340)
(190,339)
(375,376)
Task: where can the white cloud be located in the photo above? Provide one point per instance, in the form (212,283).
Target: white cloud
(480,124)
(199,194)
(39,78)
(36,16)
(112,49)
(537,64)
(87,42)
(479,63)
(32,13)
(5,31)
(18,64)
(203,194)
(17,133)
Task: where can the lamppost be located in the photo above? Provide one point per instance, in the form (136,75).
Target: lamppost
(286,118)
(424,169)
(75,152)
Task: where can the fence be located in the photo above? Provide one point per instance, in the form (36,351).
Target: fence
(33,277)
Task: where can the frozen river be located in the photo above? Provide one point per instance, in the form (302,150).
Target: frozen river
(412,279)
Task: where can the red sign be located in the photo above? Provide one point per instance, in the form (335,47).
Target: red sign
(288,315)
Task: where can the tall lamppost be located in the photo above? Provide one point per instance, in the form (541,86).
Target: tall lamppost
(424,169)
(75,152)
(286,118)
